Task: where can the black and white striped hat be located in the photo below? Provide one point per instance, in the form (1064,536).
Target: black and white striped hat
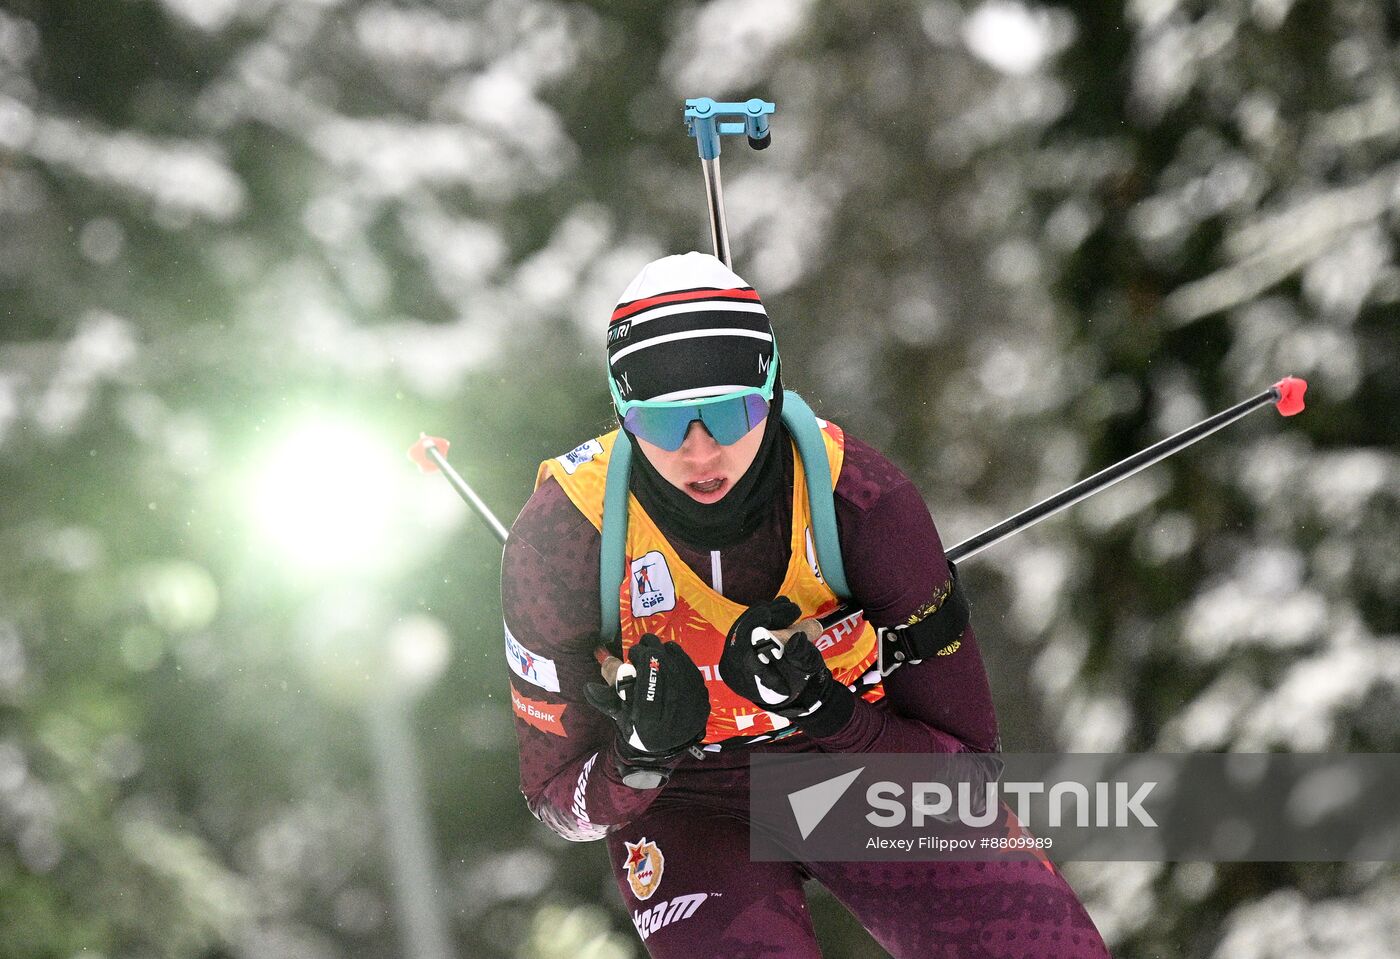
(688,327)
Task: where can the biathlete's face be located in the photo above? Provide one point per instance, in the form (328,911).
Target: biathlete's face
(705,470)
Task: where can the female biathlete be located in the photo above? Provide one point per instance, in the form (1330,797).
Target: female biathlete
(718,542)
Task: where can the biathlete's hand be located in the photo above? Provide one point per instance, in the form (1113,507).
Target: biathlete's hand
(791,680)
(659,714)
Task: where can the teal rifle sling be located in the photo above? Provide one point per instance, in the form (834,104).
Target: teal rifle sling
(612,560)
(802,426)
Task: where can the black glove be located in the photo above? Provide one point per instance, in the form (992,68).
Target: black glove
(791,680)
(659,714)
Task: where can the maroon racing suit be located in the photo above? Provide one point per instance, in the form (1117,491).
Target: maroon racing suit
(680,853)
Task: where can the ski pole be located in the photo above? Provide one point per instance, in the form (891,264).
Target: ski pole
(430,455)
(703,122)
(1286,395)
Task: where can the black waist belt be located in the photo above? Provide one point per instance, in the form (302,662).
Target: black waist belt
(936,630)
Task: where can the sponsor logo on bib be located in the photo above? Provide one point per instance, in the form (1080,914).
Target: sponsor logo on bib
(653,590)
(530,666)
(546,716)
(579,455)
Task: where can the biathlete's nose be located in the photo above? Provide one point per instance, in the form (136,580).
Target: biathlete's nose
(698,441)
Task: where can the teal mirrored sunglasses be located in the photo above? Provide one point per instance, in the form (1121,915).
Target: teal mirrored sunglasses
(728,417)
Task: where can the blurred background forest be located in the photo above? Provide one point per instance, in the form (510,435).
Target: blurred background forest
(249,248)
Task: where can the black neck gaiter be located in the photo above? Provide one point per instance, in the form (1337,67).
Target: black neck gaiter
(718,525)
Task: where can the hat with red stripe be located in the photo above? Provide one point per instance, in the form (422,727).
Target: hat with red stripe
(686,328)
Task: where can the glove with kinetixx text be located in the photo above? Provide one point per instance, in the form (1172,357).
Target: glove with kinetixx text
(660,712)
(790,679)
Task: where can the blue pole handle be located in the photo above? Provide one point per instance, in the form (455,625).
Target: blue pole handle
(706,120)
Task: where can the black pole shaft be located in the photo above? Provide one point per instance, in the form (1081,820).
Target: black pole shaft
(1107,477)
(1086,488)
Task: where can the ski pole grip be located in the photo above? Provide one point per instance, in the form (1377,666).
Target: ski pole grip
(614,670)
(811,628)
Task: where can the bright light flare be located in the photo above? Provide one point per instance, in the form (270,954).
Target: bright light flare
(328,496)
